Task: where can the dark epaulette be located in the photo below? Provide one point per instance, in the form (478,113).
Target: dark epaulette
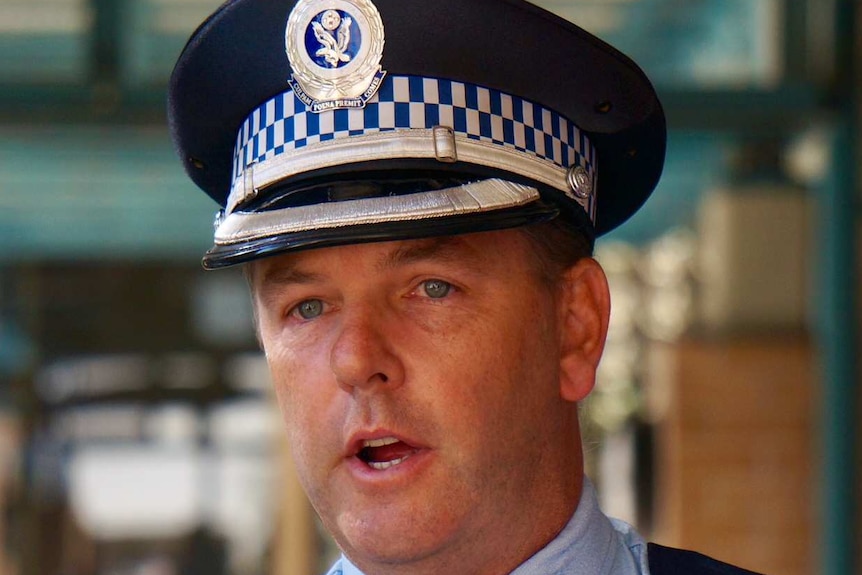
(669,561)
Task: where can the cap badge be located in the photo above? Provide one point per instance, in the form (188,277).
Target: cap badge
(580,182)
(334,48)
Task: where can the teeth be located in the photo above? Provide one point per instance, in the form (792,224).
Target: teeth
(381,465)
(379,442)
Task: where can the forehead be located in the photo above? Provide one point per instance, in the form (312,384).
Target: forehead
(505,249)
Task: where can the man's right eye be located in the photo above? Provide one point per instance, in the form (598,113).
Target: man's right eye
(308,309)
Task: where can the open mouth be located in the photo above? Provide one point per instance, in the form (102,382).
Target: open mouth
(384,453)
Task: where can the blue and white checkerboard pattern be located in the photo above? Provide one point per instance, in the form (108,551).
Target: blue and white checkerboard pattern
(284,123)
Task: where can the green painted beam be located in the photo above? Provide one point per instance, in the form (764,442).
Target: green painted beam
(96,193)
(839,314)
(839,341)
(781,111)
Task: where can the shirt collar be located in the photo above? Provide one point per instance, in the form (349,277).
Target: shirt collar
(590,544)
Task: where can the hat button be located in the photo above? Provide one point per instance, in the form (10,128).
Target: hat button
(579,181)
(218,220)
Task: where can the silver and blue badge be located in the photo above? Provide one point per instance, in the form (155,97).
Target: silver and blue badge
(334,48)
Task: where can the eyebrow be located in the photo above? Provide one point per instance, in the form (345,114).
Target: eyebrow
(281,276)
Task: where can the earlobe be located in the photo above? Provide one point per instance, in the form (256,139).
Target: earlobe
(584,315)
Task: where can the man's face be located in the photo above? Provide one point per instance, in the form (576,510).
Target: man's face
(420,387)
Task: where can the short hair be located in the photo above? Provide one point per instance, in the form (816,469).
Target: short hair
(558,245)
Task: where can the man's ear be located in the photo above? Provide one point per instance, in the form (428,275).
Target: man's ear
(585,306)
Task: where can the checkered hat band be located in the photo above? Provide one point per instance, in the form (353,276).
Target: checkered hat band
(284,123)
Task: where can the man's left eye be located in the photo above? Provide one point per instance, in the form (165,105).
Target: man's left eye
(436,289)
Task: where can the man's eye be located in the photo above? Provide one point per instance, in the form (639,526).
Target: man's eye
(436,289)
(309,309)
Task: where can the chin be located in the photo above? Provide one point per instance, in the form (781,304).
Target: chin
(395,538)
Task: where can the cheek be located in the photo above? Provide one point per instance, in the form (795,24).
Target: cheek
(522,369)
(301,393)
(311,427)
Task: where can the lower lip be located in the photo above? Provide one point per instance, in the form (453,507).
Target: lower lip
(403,471)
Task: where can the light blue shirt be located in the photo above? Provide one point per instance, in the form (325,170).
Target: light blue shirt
(589,544)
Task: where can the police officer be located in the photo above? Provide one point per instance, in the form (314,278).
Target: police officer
(415,187)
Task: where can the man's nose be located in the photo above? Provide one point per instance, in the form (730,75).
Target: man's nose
(362,355)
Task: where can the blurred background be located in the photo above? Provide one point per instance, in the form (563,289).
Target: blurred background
(137,431)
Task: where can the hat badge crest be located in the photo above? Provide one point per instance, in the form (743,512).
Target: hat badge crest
(333,45)
(334,48)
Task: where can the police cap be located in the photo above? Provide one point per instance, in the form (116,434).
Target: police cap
(323,122)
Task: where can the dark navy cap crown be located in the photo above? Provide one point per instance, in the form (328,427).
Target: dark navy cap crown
(322,122)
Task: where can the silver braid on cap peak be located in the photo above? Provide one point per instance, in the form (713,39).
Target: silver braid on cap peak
(484,196)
